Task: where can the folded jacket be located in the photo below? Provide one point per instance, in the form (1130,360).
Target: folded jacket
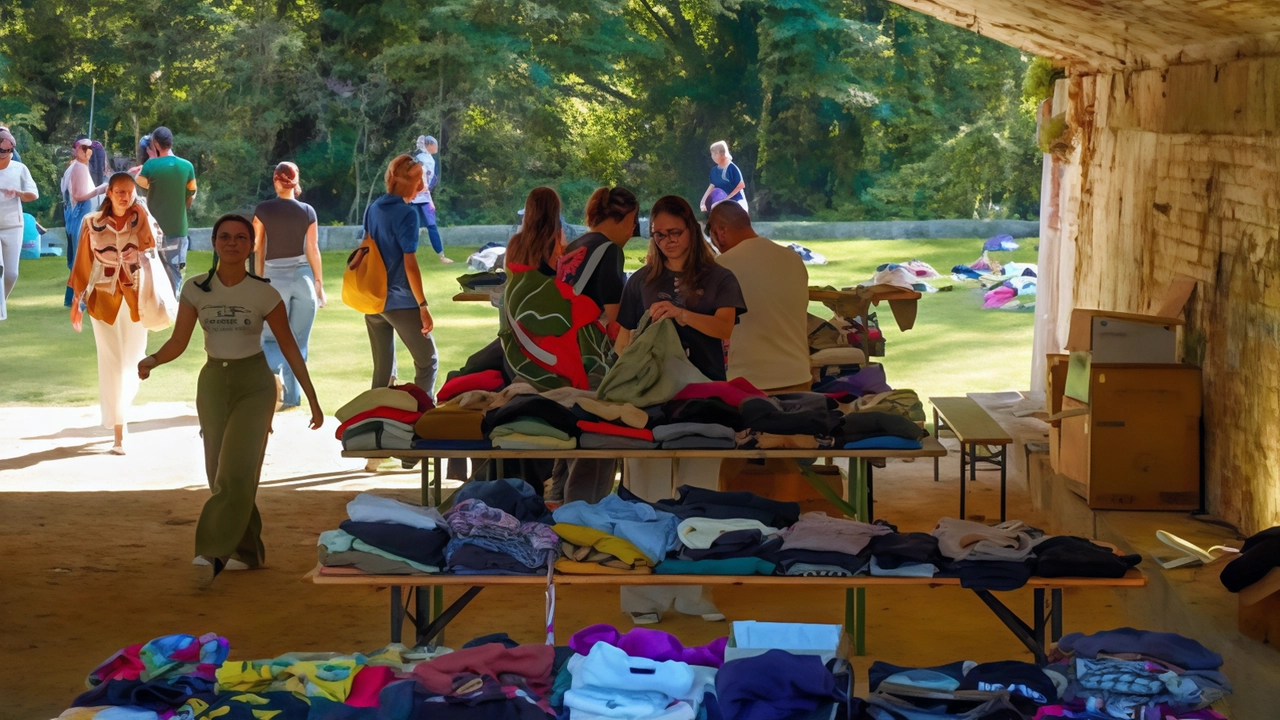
(821,532)
(904,403)
(625,413)
(1259,554)
(604,428)
(992,574)
(732,392)
(732,566)
(837,356)
(1066,556)
(698,442)
(964,539)
(481,560)
(585,536)
(342,545)
(652,369)
(532,662)
(652,531)
(408,417)
(596,441)
(894,549)
(1172,648)
(884,442)
(527,426)
(369,508)
(708,410)
(693,501)
(450,422)
(510,495)
(518,441)
(421,444)
(775,685)
(700,532)
(535,407)
(854,564)
(737,544)
(421,546)
(675,431)
(652,644)
(375,398)
(801,413)
(378,435)
(487,380)
(861,426)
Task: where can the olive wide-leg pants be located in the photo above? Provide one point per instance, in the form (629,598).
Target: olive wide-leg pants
(235,400)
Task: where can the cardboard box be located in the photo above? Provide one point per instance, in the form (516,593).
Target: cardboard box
(1055,383)
(837,647)
(1259,616)
(1103,337)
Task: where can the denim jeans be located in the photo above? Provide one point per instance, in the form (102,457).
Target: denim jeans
(428,213)
(297,288)
(173,251)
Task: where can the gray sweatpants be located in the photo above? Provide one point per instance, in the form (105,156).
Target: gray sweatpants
(383,329)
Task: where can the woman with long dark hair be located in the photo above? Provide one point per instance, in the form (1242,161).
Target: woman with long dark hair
(105,280)
(680,282)
(287,253)
(236,395)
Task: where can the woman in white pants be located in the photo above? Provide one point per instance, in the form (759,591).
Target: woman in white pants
(105,276)
(16,187)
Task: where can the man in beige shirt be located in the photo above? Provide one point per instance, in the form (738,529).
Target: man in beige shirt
(770,345)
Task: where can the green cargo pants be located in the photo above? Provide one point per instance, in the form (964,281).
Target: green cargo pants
(235,400)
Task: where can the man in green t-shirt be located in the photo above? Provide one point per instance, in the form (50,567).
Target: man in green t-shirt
(170,183)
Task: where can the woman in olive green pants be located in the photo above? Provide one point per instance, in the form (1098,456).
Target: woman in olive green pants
(236,394)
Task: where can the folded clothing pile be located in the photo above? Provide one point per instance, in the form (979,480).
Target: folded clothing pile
(386,537)
(609,683)
(532,422)
(1126,673)
(1003,689)
(649,530)
(723,533)
(821,545)
(489,541)
(155,679)
(382,418)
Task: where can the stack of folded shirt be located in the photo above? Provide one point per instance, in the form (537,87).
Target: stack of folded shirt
(693,502)
(382,418)
(801,413)
(913,554)
(484,381)
(599,435)
(488,541)
(385,536)
(895,402)
(609,683)
(878,431)
(651,531)
(732,546)
(710,411)
(1137,673)
(532,422)
(587,551)
(756,440)
(988,557)
(689,435)
(821,545)
(450,427)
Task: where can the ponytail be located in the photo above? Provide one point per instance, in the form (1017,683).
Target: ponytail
(610,204)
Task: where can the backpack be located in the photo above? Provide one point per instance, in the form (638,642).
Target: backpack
(364,282)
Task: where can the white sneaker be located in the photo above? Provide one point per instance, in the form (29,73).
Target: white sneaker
(233,564)
(646,618)
(709,617)
(198,560)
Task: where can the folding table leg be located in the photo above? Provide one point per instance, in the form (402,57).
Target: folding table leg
(426,483)
(962,483)
(1004,467)
(397,613)
(937,432)
(439,488)
(422,610)
(1038,620)
(855,599)
(1024,633)
(1055,615)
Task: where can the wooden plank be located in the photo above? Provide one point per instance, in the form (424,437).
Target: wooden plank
(971,424)
(320,576)
(825,295)
(930,448)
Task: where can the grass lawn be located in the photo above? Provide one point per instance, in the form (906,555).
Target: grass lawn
(955,347)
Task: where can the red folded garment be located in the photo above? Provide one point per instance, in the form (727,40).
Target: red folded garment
(422,396)
(488,380)
(408,417)
(531,662)
(605,428)
(732,392)
(367,685)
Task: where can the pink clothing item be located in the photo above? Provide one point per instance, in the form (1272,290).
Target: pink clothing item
(422,396)
(651,644)
(733,392)
(124,665)
(998,297)
(487,380)
(367,685)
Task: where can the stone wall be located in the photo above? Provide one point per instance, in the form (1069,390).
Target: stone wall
(1176,172)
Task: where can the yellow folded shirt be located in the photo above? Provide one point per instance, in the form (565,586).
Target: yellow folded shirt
(584,536)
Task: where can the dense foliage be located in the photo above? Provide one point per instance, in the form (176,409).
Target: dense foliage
(834,109)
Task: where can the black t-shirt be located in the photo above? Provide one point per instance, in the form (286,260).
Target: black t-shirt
(605,285)
(720,290)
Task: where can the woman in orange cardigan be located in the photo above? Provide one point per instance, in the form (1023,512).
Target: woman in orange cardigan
(105,277)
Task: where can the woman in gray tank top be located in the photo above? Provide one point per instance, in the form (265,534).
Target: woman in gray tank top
(288,254)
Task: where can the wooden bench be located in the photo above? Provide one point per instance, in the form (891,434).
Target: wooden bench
(430,617)
(972,426)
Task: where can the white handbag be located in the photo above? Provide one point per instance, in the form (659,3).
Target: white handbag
(157,306)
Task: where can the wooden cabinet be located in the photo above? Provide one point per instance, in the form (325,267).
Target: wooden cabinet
(1138,448)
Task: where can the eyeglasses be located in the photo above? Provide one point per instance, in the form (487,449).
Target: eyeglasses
(6,151)
(659,236)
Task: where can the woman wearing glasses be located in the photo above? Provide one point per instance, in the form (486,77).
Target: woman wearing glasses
(16,187)
(681,282)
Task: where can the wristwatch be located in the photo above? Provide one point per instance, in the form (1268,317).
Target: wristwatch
(422,304)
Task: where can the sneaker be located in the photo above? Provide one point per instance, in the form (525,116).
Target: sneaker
(713,617)
(199,560)
(648,618)
(116,450)
(234,564)
(204,573)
